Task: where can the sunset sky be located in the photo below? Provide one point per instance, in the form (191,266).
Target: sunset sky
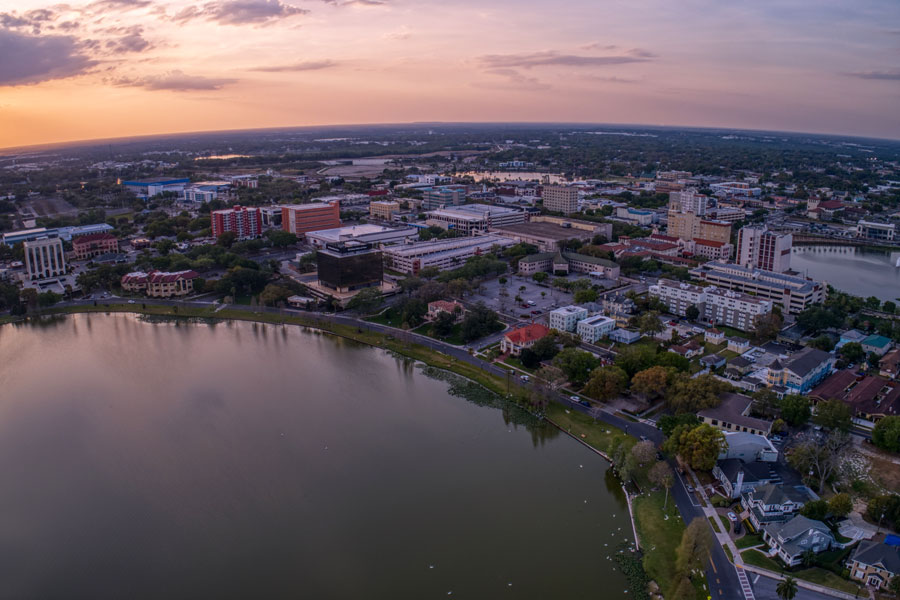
(112,68)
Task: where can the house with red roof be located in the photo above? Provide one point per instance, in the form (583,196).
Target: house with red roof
(522,337)
(445,306)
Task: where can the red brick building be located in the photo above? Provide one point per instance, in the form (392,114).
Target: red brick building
(94,244)
(243,221)
(303,218)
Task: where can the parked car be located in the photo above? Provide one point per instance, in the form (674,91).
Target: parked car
(732,517)
(690,489)
(525,378)
(585,403)
(574,398)
(532,303)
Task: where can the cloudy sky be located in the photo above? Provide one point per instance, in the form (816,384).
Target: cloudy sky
(109,68)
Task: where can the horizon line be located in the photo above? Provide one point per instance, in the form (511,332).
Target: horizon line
(6,150)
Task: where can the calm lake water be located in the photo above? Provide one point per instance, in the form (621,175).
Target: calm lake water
(238,460)
(860,271)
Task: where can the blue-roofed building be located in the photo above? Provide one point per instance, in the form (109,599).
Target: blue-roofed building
(67,233)
(26,235)
(147,188)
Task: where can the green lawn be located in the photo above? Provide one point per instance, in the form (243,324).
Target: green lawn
(389,317)
(758,559)
(454,338)
(726,524)
(659,539)
(828,579)
(715,525)
(514,362)
(751,539)
(585,428)
(728,553)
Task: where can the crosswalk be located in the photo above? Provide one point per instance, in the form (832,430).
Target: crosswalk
(745,584)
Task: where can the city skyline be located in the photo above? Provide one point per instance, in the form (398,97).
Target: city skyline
(113,68)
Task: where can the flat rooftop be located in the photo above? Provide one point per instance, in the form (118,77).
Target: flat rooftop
(545,230)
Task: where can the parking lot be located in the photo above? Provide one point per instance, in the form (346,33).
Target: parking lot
(551,298)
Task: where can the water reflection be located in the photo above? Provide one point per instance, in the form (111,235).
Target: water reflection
(181,460)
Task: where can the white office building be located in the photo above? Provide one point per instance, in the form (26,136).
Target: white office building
(595,328)
(762,249)
(368,233)
(442,254)
(560,198)
(566,318)
(469,218)
(44,258)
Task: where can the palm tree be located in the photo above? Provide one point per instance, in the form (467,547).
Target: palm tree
(786,589)
(808,558)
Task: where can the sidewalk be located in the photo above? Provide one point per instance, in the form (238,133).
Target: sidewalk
(725,541)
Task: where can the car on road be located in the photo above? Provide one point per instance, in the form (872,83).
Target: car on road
(643,438)
(131,302)
(574,398)
(525,378)
(732,517)
(585,403)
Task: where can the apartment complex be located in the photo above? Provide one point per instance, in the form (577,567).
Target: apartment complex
(44,258)
(566,318)
(302,218)
(442,254)
(689,226)
(717,306)
(793,293)
(560,198)
(688,201)
(760,248)
(244,221)
(594,328)
(546,233)
(383,209)
(442,196)
(95,244)
(469,218)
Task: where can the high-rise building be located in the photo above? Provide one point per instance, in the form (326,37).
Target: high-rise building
(300,218)
(763,249)
(445,195)
(688,201)
(349,266)
(44,257)
(690,226)
(243,221)
(383,209)
(560,198)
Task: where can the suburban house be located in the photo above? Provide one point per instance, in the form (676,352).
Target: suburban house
(523,337)
(799,373)
(851,335)
(877,344)
(790,539)
(870,398)
(624,336)
(732,415)
(713,361)
(444,306)
(889,365)
(738,367)
(714,336)
(749,447)
(874,563)
(738,344)
(773,503)
(688,350)
(737,476)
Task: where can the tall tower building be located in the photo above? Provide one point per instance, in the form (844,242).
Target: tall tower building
(763,249)
(560,198)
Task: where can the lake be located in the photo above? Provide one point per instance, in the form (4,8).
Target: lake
(240,460)
(859,271)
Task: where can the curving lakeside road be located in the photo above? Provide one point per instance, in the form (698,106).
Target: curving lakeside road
(721,574)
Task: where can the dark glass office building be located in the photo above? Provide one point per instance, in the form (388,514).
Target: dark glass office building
(348,266)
